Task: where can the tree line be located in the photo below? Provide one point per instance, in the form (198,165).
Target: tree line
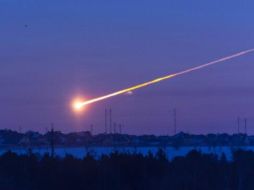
(116,171)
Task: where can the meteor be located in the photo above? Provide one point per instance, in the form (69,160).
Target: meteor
(80,104)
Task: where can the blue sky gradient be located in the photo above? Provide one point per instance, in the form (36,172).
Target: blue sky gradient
(51,51)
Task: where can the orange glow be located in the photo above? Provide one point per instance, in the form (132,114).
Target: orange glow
(78,105)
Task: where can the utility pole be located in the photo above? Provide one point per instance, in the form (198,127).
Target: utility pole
(52,143)
(245,126)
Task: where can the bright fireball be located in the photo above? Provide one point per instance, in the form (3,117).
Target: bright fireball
(77,105)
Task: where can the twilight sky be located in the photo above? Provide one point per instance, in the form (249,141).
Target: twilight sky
(52,51)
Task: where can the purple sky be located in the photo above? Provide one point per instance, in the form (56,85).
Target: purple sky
(51,51)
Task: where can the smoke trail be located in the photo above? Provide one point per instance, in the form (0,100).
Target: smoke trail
(81,104)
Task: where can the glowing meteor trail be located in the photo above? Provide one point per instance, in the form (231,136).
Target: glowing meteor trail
(79,105)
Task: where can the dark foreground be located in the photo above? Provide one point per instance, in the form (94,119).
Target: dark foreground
(127,172)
